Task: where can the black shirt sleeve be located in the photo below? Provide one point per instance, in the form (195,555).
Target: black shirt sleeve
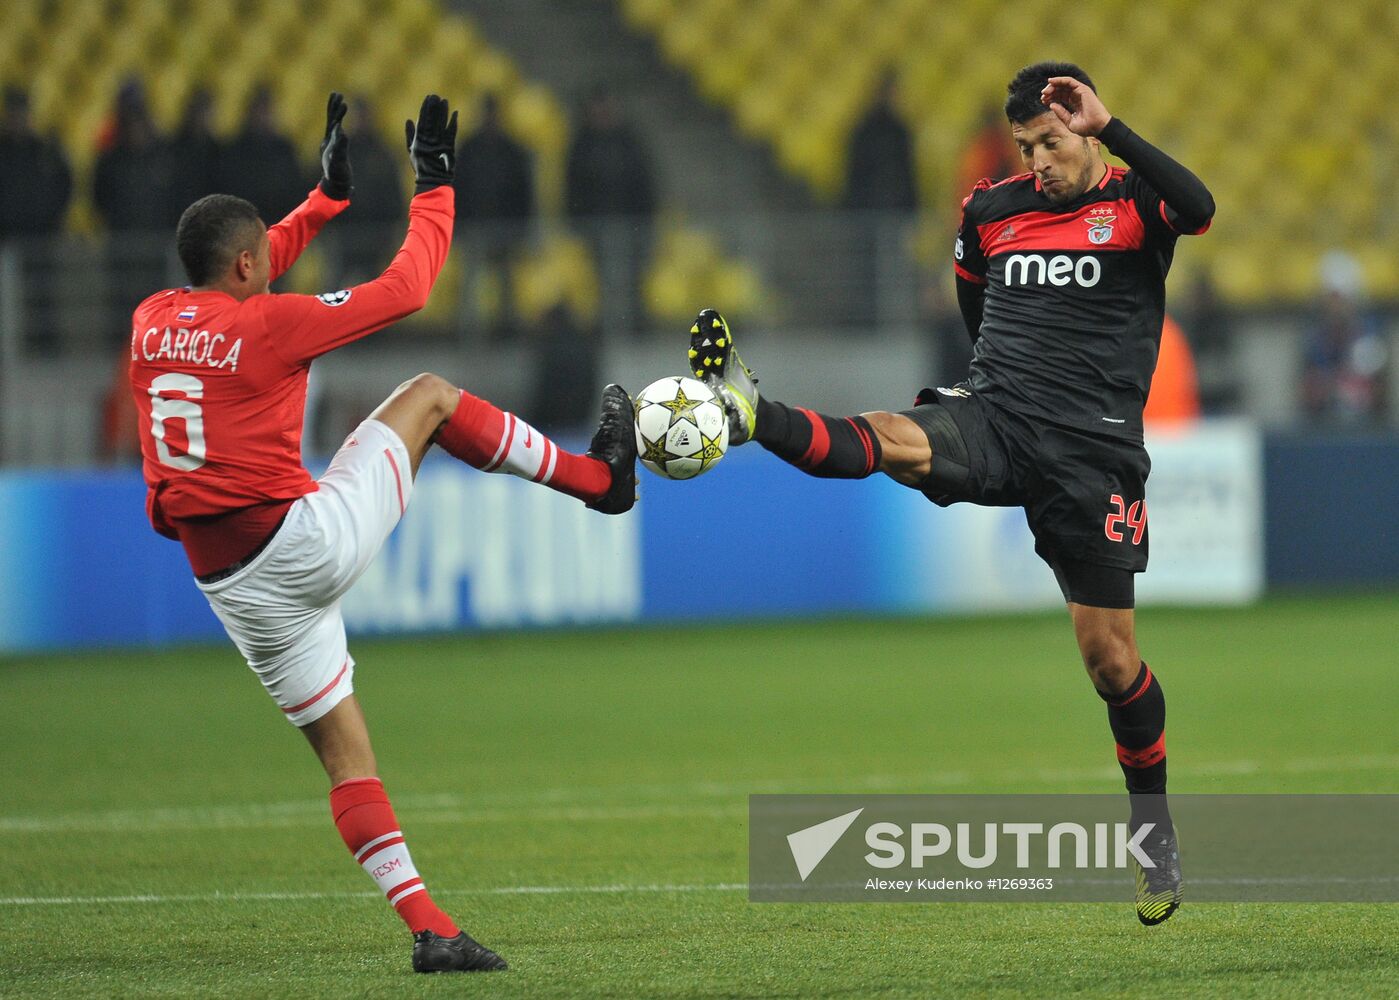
(969,264)
(1186,204)
(971,298)
(968,259)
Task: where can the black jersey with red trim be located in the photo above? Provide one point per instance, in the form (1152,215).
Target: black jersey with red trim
(1074,298)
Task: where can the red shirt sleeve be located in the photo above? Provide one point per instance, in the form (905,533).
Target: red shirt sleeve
(288,238)
(303,327)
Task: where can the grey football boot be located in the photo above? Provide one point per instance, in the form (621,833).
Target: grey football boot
(716,363)
(1159,888)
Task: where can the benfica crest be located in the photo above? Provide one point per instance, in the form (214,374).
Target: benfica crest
(1100,227)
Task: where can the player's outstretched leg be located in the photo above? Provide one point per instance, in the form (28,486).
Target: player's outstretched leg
(492,440)
(827,447)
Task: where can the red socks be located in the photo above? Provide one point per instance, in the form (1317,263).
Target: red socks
(367,825)
(492,440)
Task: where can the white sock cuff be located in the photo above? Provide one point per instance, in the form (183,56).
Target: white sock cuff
(524,452)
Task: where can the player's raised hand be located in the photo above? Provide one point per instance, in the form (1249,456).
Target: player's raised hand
(1076,105)
(337,179)
(432,146)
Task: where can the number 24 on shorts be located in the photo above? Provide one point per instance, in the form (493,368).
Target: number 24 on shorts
(1134,517)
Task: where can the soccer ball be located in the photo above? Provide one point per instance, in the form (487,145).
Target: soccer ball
(681,427)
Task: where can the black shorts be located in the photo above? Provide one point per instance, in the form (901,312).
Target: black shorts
(1084,494)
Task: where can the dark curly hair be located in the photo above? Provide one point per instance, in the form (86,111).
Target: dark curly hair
(1023,92)
(212,232)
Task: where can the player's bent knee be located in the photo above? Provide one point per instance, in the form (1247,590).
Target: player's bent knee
(1111,663)
(435,392)
(907,456)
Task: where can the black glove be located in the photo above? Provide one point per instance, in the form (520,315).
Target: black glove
(337,179)
(433,145)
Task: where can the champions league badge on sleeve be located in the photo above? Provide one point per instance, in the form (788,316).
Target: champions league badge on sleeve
(335,298)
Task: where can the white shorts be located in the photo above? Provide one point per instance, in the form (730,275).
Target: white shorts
(282,610)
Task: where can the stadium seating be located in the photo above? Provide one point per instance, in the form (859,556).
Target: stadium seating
(72,55)
(1280,107)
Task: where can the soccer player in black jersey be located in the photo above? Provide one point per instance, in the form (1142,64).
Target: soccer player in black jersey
(1061,281)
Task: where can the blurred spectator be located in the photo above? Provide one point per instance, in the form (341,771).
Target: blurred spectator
(1207,328)
(881,197)
(495,175)
(609,170)
(132,183)
(1345,354)
(990,153)
(610,195)
(197,154)
(372,228)
(879,174)
(35,186)
(566,384)
(495,200)
(35,182)
(133,174)
(260,163)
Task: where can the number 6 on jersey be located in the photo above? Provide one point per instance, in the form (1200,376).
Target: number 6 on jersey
(165,408)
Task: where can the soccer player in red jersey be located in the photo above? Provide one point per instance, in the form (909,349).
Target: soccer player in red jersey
(1061,278)
(218,372)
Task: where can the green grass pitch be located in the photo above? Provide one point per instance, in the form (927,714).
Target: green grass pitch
(577,799)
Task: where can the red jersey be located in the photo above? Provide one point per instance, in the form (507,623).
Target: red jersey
(220,385)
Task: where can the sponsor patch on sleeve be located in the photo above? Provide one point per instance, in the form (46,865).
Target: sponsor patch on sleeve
(335,298)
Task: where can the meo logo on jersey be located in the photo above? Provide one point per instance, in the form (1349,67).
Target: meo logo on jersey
(335,298)
(1100,227)
(1032,268)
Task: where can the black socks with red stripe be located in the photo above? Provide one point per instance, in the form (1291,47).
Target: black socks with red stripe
(828,447)
(1138,721)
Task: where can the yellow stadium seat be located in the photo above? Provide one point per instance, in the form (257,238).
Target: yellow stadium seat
(647,13)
